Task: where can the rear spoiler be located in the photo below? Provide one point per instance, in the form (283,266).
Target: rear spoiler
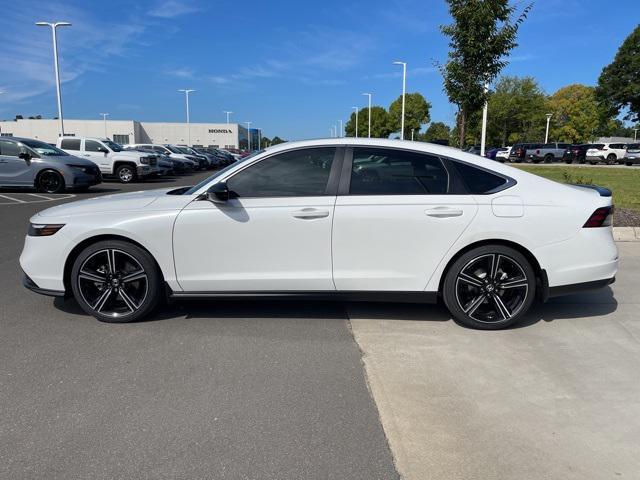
(604,192)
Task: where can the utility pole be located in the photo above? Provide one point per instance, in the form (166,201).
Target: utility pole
(404,90)
(369,95)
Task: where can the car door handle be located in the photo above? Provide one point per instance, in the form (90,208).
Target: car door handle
(310,213)
(443,212)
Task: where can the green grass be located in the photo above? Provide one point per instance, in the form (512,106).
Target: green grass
(623,182)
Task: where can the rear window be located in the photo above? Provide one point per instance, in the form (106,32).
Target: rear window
(70,144)
(479,181)
(633,146)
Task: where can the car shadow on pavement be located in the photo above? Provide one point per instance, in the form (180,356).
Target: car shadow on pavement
(571,307)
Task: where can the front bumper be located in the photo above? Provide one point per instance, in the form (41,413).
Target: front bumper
(632,158)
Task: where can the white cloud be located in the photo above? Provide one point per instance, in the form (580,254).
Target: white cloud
(172,8)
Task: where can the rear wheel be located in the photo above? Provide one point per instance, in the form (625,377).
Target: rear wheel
(628,164)
(116,281)
(489,287)
(50,181)
(126,173)
(548,158)
(611,159)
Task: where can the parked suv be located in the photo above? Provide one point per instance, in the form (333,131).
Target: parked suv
(518,152)
(547,153)
(180,161)
(111,158)
(610,153)
(31,163)
(576,153)
(632,155)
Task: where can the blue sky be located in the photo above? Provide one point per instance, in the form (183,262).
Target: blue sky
(292,68)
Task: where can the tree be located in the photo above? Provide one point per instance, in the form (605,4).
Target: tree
(437,132)
(416,113)
(516,112)
(276,140)
(381,123)
(482,33)
(619,83)
(264,142)
(577,116)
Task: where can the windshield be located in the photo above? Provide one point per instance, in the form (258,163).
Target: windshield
(112,145)
(45,149)
(184,150)
(173,149)
(197,187)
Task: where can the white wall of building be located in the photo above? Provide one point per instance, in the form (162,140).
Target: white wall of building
(222,135)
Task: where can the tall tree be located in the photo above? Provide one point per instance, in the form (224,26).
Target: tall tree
(381,123)
(416,113)
(619,83)
(577,115)
(438,132)
(276,140)
(482,34)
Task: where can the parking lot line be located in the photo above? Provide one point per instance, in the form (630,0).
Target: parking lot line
(41,196)
(13,199)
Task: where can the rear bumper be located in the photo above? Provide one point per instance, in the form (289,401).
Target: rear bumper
(579,287)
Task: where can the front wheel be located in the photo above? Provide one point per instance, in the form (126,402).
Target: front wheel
(612,159)
(126,173)
(116,281)
(489,287)
(50,181)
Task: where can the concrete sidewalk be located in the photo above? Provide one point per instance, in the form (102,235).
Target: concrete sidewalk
(626,234)
(558,397)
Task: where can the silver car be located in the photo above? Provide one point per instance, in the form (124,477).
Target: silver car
(25,162)
(632,155)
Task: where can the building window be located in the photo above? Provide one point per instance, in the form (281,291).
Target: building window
(6,134)
(121,139)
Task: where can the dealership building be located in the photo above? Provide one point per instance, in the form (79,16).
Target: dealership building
(218,135)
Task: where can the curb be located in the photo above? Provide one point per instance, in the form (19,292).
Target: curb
(626,234)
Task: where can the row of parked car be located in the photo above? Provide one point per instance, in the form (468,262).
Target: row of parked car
(79,163)
(593,153)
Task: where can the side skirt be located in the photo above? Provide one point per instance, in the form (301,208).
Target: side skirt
(349,296)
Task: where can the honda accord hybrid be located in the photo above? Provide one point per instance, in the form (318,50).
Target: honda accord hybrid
(350,219)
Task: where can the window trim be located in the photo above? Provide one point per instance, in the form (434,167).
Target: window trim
(455,186)
(332,181)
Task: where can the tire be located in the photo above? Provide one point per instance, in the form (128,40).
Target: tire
(568,162)
(102,271)
(478,302)
(126,173)
(549,158)
(628,164)
(593,163)
(612,159)
(50,181)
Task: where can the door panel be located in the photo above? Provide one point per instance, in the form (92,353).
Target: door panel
(255,244)
(395,243)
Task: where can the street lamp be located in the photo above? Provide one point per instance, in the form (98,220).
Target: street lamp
(635,134)
(187,91)
(369,95)
(404,89)
(248,135)
(228,113)
(483,135)
(546,134)
(53,26)
(259,138)
(356,109)
(412,134)
(341,129)
(104,118)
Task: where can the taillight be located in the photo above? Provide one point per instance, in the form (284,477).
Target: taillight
(600,218)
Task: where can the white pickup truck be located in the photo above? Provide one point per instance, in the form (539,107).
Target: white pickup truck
(127,166)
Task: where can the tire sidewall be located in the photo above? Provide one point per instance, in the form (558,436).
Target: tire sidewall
(48,171)
(449,285)
(154,279)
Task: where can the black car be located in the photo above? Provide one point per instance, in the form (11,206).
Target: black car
(519,151)
(576,153)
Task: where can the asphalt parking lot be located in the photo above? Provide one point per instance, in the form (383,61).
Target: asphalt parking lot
(207,390)
(312,390)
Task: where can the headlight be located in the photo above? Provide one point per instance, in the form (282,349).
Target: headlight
(44,230)
(144,160)
(82,168)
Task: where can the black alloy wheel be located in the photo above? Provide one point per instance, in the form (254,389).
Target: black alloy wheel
(490,287)
(116,281)
(50,181)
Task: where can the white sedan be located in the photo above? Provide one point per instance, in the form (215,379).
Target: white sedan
(352,219)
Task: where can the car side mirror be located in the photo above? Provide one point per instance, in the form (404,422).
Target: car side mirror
(24,156)
(218,193)
(103,150)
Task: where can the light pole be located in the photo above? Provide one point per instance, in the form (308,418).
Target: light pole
(248,135)
(331,132)
(228,113)
(341,129)
(104,118)
(55,65)
(404,90)
(259,138)
(483,136)
(546,134)
(356,109)
(635,134)
(369,95)
(412,134)
(187,91)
